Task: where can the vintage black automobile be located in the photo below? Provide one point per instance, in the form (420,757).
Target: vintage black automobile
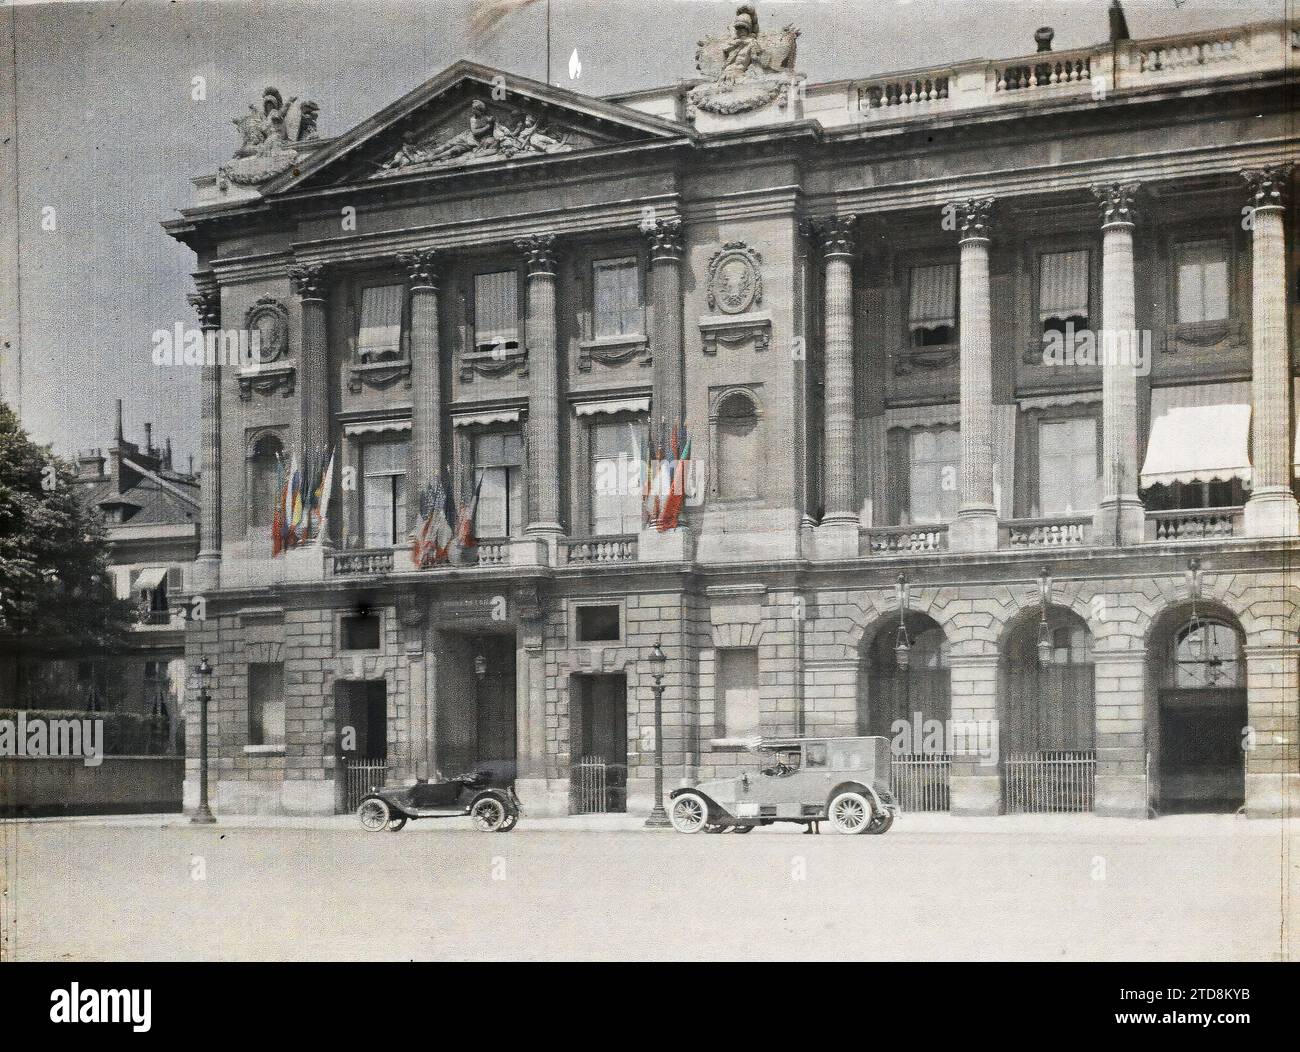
(492,808)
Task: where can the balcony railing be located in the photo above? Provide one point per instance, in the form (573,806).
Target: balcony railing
(1195,524)
(892,540)
(493,552)
(369,561)
(1058,532)
(582,551)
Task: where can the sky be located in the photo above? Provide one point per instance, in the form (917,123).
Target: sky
(109,136)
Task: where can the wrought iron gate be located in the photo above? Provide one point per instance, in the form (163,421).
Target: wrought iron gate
(920,782)
(1050,782)
(362,776)
(589,786)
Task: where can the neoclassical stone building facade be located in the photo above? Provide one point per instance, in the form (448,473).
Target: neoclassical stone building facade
(989,371)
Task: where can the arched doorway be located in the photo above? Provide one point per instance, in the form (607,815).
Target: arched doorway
(1047,732)
(1199,668)
(906,696)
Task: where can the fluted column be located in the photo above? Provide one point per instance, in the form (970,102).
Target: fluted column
(314,416)
(1120,518)
(206,300)
(544,391)
(1271,510)
(976,528)
(835,236)
(664,237)
(426,377)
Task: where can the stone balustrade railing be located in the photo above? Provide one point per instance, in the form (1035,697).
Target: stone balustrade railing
(893,540)
(1195,524)
(493,552)
(367,561)
(1057,532)
(583,551)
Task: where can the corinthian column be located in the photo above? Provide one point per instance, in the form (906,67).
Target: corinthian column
(835,236)
(426,377)
(664,237)
(206,300)
(1271,510)
(314,418)
(544,393)
(976,528)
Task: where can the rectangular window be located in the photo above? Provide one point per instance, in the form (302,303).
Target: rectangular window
(383,485)
(934,475)
(498,461)
(738,714)
(266,704)
(496,312)
(1063,289)
(932,309)
(1202,282)
(1067,466)
(380,336)
(615,489)
(616,285)
(360,631)
(599,624)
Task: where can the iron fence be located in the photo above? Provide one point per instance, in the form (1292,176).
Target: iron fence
(362,776)
(920,782)
(1050,782)
(597,786)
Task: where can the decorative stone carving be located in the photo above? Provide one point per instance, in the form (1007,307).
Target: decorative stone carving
(421,266)
(380,374)
(664,237)
(539,253)
(487,137)
(268,138)
(748,69)
(613,350)
(308,280)
(974,217)
(1268,186)
(735,283)
(1117,203)
(268,320)
(834,235)
(206,301)
(266,380)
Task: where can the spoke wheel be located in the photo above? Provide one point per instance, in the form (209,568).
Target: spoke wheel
(396,825)
(511,821)
(689,813)
(489,814)
(880,824)
(850,812)
(374,814)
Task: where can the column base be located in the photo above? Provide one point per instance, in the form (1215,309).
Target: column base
(1272,795)
(207,572)
(1131,517)
(550,532)
(1272,512)
(975,795)
(671,546)
(975,530)
(835,539)
(1120,796)
(529,551)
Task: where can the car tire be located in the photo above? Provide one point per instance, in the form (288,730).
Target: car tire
(689,813)
(850,812)
(488,814)
(511,821)
(396,824)
(374,814)
(880,823)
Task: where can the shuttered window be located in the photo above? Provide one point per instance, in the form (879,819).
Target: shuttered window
(383,485)
(496,311)
(934,478)
(1063,286)
(498,461)
(932,307)
(615,493)
(1067,466)
(616,287)
(380,335)
(266,704)
(1202,282)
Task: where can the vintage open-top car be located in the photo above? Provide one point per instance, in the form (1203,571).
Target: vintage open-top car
(843,781)
(493,808)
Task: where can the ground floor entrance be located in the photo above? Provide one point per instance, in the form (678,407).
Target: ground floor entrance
(598,725)
(1201,757)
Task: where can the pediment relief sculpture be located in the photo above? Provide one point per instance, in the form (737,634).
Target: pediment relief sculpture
(488,135)
(268,138)
(748,69)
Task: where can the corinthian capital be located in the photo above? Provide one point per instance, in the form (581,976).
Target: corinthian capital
(309,280)
(539,253)
(1268,186)
(833,234)
(664,237)
(206,301)
(421,266)
(1117,202)
(973,218)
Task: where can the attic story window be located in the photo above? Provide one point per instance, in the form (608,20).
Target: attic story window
(380,336)
(932,310)
(496,312)
(617,288)
(1063,289)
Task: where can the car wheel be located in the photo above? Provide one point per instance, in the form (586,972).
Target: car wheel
(880,824)
(689,813)
(850,812)
(396,824)
(374,814)
(511,821)
(743,829)
(489,814)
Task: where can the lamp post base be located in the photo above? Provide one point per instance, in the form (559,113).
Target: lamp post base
(658,818)
(203,816)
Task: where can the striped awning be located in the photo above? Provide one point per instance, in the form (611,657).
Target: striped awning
(1199,433)
(151,578)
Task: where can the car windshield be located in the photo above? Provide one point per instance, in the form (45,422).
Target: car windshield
(780,761)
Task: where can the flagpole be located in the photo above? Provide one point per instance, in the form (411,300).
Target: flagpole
(548,43)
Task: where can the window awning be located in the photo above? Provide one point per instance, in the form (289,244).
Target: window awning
(614,405)
(151,578)
(495,416)
(1199,434)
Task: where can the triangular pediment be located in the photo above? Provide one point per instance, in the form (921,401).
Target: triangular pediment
(467,117)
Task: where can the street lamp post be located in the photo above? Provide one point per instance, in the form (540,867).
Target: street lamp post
(203,815)
(658,660)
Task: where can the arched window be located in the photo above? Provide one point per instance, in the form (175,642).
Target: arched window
(263,480)
(1207,654)
(739,462)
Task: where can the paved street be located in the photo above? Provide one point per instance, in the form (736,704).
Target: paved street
(934,887)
